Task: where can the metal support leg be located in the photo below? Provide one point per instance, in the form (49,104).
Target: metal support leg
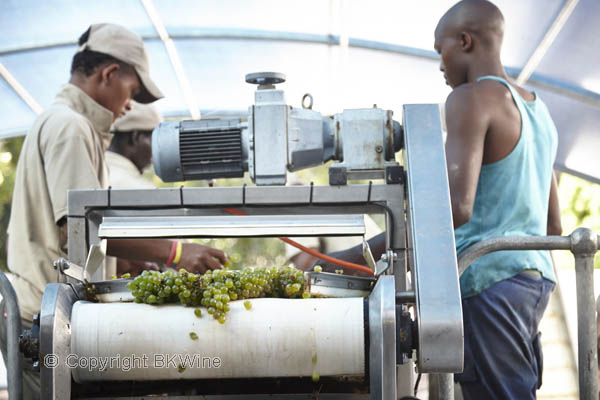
(584,245)
(13,327)
(445,386)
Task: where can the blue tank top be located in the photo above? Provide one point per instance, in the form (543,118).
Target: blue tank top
(512,199)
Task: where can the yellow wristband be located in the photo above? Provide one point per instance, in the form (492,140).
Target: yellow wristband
(177,254)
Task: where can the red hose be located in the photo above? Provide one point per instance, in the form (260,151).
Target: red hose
(314,253)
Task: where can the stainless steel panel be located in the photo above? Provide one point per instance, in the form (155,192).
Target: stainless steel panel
(55,341)
(432,249)
(233,226)
(382,339)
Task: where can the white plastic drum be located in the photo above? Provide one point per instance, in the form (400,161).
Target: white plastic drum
(275,338)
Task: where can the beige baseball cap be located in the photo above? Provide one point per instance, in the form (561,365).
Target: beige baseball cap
(141,117)
(126,46)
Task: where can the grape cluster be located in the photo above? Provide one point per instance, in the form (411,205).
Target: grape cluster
(215,289)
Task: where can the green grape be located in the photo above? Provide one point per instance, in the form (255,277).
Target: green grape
(221,319)
(315,376)
(193,336)
(198,312)
(216,289)
(318,268)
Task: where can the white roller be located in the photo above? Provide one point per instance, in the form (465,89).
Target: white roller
(275,338)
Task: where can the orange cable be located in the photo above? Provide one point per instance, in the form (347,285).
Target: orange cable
(312,252)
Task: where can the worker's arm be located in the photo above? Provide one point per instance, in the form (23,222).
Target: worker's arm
(354,255)
(194,257)
(554,223)
(467,122)
(304,261)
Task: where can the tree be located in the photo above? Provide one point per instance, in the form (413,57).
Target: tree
(9,154)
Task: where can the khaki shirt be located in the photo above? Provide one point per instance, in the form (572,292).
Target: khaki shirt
(124,174)
(64,149)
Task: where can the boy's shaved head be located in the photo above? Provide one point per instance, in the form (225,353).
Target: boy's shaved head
(480,18)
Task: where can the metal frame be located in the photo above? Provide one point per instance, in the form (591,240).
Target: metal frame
(233,226)
(542,48)
(382,330)
(429,220)
(55,339)
(182,79)
(167,36)
(88,207)
(14,373)
(438,307)
(583,243)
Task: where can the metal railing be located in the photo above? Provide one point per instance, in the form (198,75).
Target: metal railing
(583,243)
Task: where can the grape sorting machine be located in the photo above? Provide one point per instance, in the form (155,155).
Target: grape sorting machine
(361,347)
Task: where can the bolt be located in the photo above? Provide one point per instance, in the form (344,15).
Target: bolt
(379,148)
(61,264)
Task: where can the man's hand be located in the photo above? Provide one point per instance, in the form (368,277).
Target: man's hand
(198,259)
(134,267)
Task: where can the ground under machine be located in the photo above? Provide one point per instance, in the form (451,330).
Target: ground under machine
(362,346)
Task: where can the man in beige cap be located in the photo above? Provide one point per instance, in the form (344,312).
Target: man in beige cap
(130,151)
(64,149)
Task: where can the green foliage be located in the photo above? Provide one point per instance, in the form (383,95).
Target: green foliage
(9,154)
(580,207)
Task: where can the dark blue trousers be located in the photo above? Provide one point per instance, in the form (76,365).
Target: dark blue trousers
(503,353)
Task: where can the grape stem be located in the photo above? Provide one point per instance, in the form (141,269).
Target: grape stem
(314,253)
